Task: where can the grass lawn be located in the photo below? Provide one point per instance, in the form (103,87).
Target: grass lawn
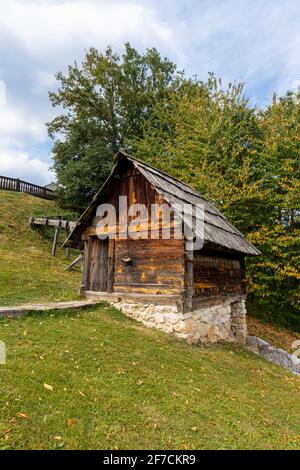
(119,385)
(28,272)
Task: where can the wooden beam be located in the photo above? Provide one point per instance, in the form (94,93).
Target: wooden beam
(56,237)
(64,224)
(111,265)
(86,264)
(189,279)
(76,261)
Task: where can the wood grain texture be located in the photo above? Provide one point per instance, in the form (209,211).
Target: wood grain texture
(153,263)
(218,273)
(153,266)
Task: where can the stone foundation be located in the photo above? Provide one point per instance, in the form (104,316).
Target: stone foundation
(216,320)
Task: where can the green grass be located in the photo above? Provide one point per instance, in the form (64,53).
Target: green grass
(28,272)
(119,385)
(115,383)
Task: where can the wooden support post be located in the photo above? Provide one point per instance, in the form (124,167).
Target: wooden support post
(86,265)
(189,280)
(56,237)
(76,261)
(67,233)
(111,264)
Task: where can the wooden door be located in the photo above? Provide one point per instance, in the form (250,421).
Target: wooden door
(98,265)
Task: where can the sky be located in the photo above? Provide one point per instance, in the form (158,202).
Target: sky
(254,41)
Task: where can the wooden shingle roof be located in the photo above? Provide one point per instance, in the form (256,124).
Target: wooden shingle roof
(218,230)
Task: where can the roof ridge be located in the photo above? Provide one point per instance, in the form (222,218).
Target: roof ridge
(176,180)
(163,183)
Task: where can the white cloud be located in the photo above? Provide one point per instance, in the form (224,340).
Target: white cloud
(296,85)
(2,92)
(38,38)
(18,127)
(255,41)
(54,27)
(17,164)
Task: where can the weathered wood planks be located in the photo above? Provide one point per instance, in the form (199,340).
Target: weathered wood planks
(48,222)
(156,265)
(218,273)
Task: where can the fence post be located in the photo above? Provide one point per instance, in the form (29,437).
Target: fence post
(18,185)
(56,235)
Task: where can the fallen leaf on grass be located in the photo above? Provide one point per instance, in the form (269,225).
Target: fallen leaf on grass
(80,393)
(6,431)
(139,382)
(48,387)
(70,422)
(21,415)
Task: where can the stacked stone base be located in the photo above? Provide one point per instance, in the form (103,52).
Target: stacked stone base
(221,320)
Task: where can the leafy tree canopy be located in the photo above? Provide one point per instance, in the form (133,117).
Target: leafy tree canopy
(243,158)
(247,161)
(103,102)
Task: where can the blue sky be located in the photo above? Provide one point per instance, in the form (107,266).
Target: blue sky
(255,41)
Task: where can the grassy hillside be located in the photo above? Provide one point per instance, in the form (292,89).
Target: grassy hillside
(116,384)
(28,272)
(112,383)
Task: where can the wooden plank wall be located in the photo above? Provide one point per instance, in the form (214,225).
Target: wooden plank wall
(149,266)
(155,266)
(218,273)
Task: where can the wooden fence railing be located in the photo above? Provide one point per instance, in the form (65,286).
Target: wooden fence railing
(13,184)
(59,224)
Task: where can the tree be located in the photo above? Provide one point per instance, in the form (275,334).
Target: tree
(246,161)
(103,105)
(274,280)
(208,136)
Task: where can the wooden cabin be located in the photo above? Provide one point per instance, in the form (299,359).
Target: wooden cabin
(196,294)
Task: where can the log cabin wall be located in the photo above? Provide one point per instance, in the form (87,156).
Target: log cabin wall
(198,296)
(155,267)
(218,273)
(146,266)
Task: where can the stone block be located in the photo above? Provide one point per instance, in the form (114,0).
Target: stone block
(179,327)
(202,330)
(159,318)
(188,327)
(251,341)
(172,318)
(211,334)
